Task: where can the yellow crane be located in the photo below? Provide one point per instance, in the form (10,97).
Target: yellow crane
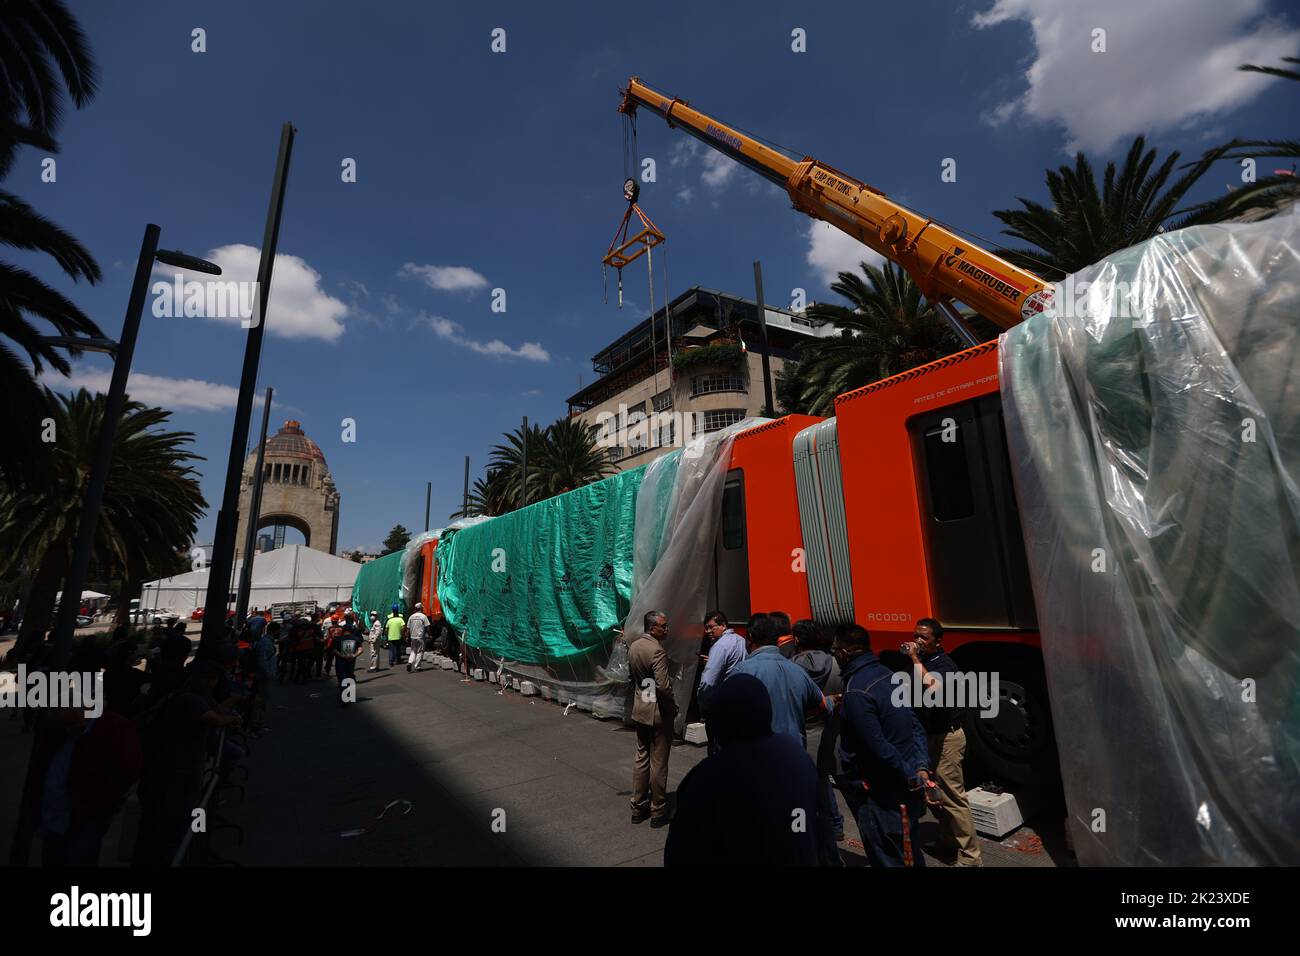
(945,266)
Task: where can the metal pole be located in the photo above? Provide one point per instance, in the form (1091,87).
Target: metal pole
(254,512)
(70,604)
(956,323)
(525,463)
(428,494)
(223,545)
(762,326)
(464,508)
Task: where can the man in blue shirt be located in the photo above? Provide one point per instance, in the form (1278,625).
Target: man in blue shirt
(793,694)
(726,651)
(886,778)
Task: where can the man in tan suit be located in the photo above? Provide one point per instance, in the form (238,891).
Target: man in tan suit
(653,713)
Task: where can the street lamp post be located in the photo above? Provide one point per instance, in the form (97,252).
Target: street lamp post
(65,620)
(254,514)
(223,539)
(770,409)
(123,352)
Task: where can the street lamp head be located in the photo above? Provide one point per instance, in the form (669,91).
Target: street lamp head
(172,257)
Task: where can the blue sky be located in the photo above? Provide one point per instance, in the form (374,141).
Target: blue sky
(479,170)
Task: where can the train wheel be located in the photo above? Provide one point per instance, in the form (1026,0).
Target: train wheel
(1016,747)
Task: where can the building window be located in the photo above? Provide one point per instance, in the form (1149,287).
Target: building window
(663,400)
(665,433)
(719,419)
(708,384)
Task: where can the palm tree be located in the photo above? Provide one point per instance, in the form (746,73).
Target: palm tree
(38,39)
(487,497)
(561,457)
(151,505)
(887,328)
(508,458)
(1271,192)
(572,458)
(1083,225)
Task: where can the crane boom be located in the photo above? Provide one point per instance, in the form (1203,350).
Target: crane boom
(944,266)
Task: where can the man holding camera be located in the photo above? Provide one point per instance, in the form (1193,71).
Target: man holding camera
(946,742)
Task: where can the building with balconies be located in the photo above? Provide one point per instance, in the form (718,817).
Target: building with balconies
(695,366)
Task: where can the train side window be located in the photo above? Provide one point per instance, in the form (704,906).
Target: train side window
(949,474)
(733,515)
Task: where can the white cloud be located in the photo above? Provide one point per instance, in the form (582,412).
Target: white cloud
(831,251)
(1166,63)
(178,394)
(445,278)
(298,307)
(717,168)
(454,332)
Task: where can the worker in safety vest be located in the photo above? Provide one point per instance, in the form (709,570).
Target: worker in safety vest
(394,627)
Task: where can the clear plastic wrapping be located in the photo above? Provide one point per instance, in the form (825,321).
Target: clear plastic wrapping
(678,509)
(1153,421)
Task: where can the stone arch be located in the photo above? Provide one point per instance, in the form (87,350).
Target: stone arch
(297,490)
(299,524)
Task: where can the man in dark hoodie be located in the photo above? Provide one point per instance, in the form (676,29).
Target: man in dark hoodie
(754,802)
(813,655)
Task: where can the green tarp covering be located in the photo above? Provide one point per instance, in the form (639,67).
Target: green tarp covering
(546,583)
(379,586)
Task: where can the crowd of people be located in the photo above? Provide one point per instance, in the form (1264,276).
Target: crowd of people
(163,701)
(761,797)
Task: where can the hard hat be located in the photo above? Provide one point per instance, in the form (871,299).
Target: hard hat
(419,606)
(394,608)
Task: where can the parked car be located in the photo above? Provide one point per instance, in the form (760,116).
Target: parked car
(197,615)
(154,615)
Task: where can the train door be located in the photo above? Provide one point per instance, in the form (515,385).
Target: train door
(730,586)
(979,576)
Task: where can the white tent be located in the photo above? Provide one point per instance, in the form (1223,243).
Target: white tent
(85,596)
(291,573)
